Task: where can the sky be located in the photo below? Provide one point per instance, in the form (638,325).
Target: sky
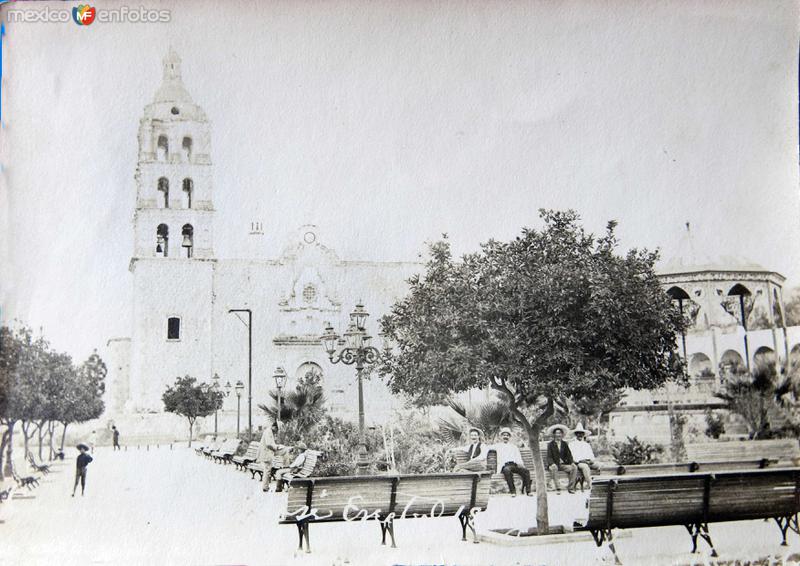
(389,123)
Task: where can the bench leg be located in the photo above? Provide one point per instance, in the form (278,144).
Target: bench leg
(465,518)
(700,529)
(604,535)
(387,526)
(786,523)
(302,533)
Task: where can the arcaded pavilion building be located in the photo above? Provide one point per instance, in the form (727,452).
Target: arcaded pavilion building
(183,292)
(736,314)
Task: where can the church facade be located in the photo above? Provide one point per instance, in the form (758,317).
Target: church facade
(183,294)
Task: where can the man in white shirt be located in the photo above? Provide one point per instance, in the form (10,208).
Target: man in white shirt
(285,474)
(509,462)
(476,454)
(583,454)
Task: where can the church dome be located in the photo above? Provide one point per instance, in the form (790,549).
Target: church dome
(172,101)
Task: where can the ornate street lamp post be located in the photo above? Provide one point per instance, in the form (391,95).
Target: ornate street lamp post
(280,381)
(239,387)
(356,351)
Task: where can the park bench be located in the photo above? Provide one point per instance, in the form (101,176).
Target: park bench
(783,450)
(43,468)
(690,467)
(249,456)
(278,461)
(24,481)
(213,447)
(498,482)
(205,443)
(693,500)
(225,452)
(385,499)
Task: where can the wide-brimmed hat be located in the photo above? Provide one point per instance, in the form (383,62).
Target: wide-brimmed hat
(301,446)
(82,445)
(476,429)
(580,429)
(555,427)
(505,430)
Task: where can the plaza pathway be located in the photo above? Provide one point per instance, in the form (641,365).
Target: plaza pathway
(172,507)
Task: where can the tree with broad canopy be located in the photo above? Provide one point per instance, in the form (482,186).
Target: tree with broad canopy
(555,314)
(192,400)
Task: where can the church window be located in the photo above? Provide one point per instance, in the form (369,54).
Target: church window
(187,148)
(162,149)
(188,240)
(173,328)
(163,188)
(162,240)
(309,294)
(188,188)
(175,111)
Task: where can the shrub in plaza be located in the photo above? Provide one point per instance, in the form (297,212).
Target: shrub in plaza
(40,388)
(715,424)
(552,315)
(633,451)
(190,399)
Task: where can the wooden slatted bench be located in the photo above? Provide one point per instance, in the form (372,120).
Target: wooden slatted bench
(385,499)
(694,500)
(213,447)
(691,467)
(249,456)
(205,443)
(226,451)
(784,450)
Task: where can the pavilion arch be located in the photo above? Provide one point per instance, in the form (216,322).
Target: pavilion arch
(700,368)
(764,355)
(677,293)
(731,363)
(739,289)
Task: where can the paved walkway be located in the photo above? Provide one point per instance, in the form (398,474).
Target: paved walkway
(173,507)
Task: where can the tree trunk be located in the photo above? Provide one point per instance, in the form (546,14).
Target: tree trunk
(51,426)
(41,433)
(540,477)
(25,437)
(63,435)
(3,442)
(191,425)
(9,447)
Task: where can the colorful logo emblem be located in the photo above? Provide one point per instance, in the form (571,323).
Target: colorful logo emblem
(84,14)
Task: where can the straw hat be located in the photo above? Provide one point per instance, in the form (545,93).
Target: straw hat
(553,428)
(82,445)
(505,430)
(580,429)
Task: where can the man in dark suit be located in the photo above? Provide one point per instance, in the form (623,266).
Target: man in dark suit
(559,458)
(476,454)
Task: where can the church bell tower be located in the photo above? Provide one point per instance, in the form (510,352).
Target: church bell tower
(173,260)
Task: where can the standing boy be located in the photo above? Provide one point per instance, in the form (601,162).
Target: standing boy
(80,467)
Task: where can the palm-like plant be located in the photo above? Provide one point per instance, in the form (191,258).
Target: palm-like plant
(489,417)
(302,408)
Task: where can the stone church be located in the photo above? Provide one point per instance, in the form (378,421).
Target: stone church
(183,293)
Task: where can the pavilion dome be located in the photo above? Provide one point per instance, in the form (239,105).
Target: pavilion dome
(688,260)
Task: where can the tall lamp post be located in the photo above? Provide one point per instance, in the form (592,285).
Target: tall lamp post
(280,381)
(249,325)
(356,351)
(227,392)
(239,387)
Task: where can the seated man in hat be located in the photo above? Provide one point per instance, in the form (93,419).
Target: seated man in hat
(582,454)
(476,454)
(509,462)
(559,457)
(285,474)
